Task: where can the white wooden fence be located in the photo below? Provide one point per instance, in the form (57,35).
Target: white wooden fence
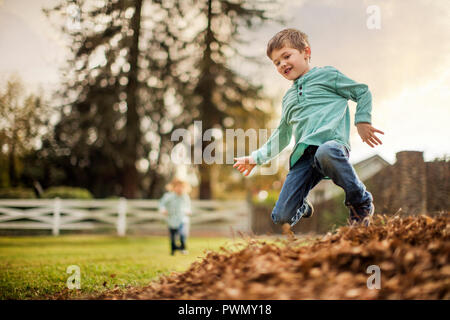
(122,215)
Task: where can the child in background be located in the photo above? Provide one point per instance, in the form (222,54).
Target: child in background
(176,206)
(315,111)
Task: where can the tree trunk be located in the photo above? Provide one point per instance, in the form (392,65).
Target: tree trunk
(156,188)
(12,166)
(130,174)
(204,89)
(205,191)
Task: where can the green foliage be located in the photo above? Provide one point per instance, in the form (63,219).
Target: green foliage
(17,193)
(23,118)
(66,193)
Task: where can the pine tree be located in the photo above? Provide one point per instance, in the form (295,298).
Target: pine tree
(139,70)
(221,92)
(114,110)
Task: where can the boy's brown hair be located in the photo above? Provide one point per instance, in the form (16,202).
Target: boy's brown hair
(288,37)
(176,181)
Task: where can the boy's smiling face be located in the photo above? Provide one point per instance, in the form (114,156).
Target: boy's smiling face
(290,62)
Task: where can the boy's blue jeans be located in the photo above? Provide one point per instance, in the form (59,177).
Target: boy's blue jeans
(173,240)
(329,159)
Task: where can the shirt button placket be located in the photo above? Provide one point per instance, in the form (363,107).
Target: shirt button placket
(300,90)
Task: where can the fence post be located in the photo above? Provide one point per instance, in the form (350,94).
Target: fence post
(56,216)
(121,217)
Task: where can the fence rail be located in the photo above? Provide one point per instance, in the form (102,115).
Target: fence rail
(122,214)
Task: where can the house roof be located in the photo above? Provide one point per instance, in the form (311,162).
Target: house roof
(371,160)
(370,166)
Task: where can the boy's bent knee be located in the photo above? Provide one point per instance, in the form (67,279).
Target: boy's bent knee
(328,148)
(327,151)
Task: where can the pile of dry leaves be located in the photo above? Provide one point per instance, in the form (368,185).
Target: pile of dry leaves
(412,254)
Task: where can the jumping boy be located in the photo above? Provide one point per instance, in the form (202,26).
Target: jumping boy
(315,110)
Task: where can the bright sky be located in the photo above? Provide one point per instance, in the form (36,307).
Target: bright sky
(405,63)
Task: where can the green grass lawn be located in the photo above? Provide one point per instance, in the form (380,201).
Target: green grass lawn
(35,267)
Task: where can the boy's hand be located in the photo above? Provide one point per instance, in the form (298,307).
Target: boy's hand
(244,163)
(367,134)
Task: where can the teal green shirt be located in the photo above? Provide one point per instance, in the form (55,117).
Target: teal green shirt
(315,110)
(177,207)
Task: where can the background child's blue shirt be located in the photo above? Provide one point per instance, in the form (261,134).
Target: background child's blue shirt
(177,207)
(315,110)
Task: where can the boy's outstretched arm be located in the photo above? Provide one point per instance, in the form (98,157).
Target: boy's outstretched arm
(367,133)
(244,163)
